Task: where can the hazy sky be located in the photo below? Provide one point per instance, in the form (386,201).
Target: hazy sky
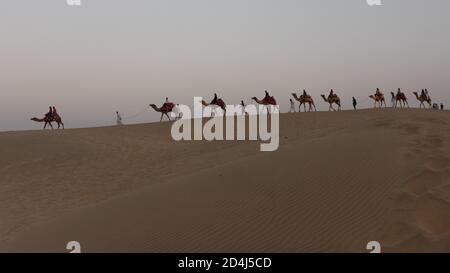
(109,55)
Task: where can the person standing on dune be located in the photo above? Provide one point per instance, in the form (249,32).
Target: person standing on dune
(119,119)
(292,110)
(354,103)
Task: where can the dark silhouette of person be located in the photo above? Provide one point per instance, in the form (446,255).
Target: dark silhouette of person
(378,92)
(54,110)
(442,106)
(214,101)
(267,95)
(49,115)
(399,92)
(331,93)
(304,93)
(354,103)
(422,94)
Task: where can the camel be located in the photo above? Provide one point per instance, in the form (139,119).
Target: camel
(215,104)
(378,99)
(399,97)
(48,120)
(332,99)
(422,99)
(304,99)
(164,110)
(266,101)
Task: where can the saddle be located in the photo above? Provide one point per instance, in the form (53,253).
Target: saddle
(168,107)
(270,100)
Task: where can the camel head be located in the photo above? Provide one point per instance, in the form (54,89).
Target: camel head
(255,98)
(372,97)
(294,95)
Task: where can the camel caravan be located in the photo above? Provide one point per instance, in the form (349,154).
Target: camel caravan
(168,108)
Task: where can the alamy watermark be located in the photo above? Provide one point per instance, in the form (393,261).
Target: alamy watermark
(374,2)
(263,124)
(73,2)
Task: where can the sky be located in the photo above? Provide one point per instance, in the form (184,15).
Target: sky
(108,55)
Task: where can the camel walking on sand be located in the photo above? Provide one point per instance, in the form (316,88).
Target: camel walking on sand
(165,109)
(304,99)
(49,119)
(423,98)
(400,97)
(332,99)
(266,101)
(215,104)
(378,99)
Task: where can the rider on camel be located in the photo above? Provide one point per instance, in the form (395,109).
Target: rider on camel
(331,94)
(214,101)
(49,115)
(378,92)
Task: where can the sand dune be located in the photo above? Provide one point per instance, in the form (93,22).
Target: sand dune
(338,181)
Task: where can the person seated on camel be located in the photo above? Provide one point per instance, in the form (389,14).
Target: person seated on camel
(167,104)
(49,115)
(331,94)
(399,92)
(304,93)
(422,94)
(214,101)
(378,92)
(267,96)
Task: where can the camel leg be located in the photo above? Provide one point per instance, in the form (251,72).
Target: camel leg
(168,116)
(162,115)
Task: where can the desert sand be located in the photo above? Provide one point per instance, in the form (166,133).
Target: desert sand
(338,181)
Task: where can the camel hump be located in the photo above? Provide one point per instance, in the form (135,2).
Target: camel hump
(221,103)
(168,106)
(271,100)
